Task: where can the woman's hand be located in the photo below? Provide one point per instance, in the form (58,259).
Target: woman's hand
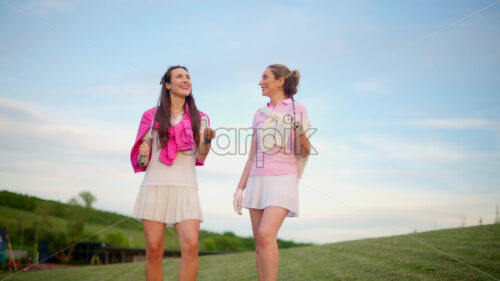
(208,134)
(204,148)
(237,200)
(298,128)
(302,145)
(145,149)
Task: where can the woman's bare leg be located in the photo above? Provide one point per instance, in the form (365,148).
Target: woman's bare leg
(271,221)
(256,217)
(154,233)
(188,232)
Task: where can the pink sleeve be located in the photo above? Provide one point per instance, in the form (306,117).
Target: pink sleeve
(255,119)
(300,112)
(144,126)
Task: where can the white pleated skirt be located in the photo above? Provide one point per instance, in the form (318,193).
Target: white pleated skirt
(167,204)
(263,191)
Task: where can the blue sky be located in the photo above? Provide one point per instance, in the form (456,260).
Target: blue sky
(405,97)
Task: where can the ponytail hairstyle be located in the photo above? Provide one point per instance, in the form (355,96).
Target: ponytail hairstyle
(163,115)
(291,78)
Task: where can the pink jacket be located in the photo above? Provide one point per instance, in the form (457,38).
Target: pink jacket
(180,138)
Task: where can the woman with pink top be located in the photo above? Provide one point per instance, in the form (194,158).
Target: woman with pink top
(278,153)
(168,195)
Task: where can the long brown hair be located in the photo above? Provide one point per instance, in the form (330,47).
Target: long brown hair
(163,112)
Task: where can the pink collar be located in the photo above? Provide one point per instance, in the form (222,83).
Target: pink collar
(285,102)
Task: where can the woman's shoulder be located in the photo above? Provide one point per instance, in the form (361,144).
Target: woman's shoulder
(202,114)
(259,110)
(301,111)
(204,120)
(148,115)
(258,113)
(150,111)
(300,106)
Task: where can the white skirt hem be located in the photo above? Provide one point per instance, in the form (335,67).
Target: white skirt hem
(265,191)
(167,204)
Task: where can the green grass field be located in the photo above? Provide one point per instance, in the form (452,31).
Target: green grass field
(389,258)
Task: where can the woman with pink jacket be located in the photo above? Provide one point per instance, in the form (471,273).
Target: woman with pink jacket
(168,195)
(278,153)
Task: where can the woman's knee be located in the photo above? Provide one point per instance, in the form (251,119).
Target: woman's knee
(154,251)
(189,247)
(256,243)
(265,238)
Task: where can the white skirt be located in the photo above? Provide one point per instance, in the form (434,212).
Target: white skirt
(167,204)
(264,191)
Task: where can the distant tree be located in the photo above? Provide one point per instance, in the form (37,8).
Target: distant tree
(62,246)
(480,221)
(88,198)
(497,217)
(43,225)
(18,201)
(73,201)
(117,238)
(462,219)
(44,210)
(76,216)
(209,244)
(20,229)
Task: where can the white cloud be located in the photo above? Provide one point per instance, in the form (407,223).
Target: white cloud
(340,151)
(334,208)
(458,124)
(422,151)
(19,111)
(56,159)
(22,124)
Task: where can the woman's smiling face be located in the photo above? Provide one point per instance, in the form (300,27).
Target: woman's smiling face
(180,83)
(269,84)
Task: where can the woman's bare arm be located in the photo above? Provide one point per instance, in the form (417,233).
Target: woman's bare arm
(251,158)
(204,148)
(302,145)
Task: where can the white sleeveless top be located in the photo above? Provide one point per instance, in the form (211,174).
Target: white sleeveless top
(182,172)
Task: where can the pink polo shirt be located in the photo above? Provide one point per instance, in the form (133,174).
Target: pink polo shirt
(279,160)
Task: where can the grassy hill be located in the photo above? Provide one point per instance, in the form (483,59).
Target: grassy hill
(19,211)
(390,258)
